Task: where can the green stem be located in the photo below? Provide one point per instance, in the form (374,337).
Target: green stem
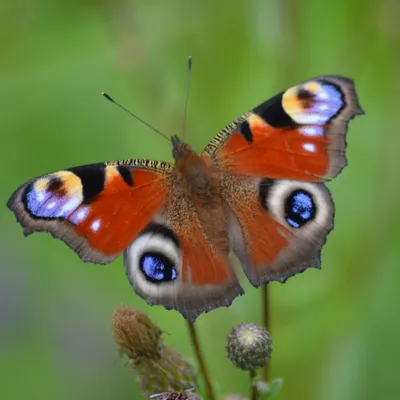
(253,387)
(266,324)
(200,358)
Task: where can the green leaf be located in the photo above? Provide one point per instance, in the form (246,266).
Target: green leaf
(269,390)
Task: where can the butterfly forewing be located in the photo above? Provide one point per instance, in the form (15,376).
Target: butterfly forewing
(298,134)
(97,209)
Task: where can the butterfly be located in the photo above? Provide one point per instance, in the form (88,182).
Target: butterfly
(256,190)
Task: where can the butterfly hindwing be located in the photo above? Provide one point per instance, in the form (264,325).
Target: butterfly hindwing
(278,226)
(97,209)
(298,134)
(180,260)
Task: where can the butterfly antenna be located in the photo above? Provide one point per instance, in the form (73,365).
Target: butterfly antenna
(186,98)
(109,98)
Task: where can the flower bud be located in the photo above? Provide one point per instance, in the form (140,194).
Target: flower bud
(158,367)
(249,346)
(170,371)
(136,335)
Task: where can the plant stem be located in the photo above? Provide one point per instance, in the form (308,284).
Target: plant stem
(200,358)
(266,323)
(253,387)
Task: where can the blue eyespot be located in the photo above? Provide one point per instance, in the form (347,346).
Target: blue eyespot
(299,208)
(157,268)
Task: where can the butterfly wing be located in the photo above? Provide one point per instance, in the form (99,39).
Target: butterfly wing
(277,227)
(181,263)
(97,209)
(298,134)
(272,160)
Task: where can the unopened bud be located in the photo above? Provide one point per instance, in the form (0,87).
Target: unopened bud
(249,346)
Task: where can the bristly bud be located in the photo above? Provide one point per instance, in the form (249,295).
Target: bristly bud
(136,335)
(170,371)
(159,367)
(249,346)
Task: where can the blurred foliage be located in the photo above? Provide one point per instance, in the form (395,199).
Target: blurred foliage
(335,331)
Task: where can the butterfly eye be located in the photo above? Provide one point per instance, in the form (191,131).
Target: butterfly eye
(297,205)
(153,259)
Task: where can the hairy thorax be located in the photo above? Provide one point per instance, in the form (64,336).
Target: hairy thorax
(198,178)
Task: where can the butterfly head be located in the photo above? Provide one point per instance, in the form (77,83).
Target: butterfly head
(179,148)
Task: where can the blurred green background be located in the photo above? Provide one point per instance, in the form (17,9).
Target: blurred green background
(336,332)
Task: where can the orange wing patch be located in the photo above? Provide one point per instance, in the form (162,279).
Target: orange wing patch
(276,153)
(203,264)
(120,211)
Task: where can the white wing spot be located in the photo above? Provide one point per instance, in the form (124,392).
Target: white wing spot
(96,225)
(322,94)
(81,214)
(40,196)
(312,130)
(51,205)
(309,147)
(70,205)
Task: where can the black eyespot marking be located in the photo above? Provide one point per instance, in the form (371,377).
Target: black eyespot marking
(125,174)
(246,131)
(300,208)
(263,191)
(92,178)
(303,94)
(157,268)
(55,185)
(159,229)
(273,113)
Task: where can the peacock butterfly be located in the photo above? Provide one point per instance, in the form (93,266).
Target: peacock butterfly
(257,189)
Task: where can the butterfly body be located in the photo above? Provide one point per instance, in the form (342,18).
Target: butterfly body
(196,176)
(257,190)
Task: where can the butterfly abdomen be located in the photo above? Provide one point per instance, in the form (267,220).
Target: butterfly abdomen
(197,194)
